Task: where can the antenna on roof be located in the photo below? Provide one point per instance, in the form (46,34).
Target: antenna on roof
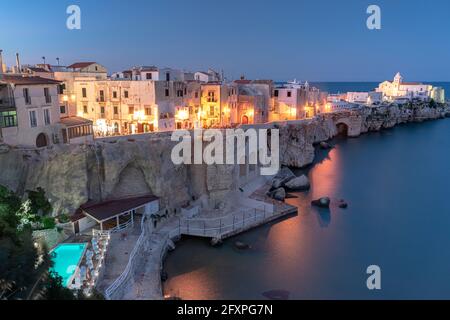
(57,59)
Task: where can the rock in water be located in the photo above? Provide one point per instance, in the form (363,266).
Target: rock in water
(241,245)
(277,295)
(325,145)
(279,194)
(298,184)
(215,242)
(322,202)
(343,204)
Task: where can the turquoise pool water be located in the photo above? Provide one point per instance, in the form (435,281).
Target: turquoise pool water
(66,257)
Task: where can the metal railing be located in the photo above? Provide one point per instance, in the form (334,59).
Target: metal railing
(213,227)
(128,269)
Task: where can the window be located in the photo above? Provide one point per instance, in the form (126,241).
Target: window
(167,92)
(61,88)
(179,93)
(185,91)
(115,94)
(8,119)
(84,92)
(125,93)
(102,96)
(62,109)
(196,94)
(46,117)
(26,95)
(48,98)
(33,118)
(116,110)
(130,110)
(275,93)
(102,111)
(289,94)
(85,109)
(148,111)
(211,110)
(148,76)
(167,76)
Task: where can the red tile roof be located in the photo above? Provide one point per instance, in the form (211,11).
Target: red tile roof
(111,208)
(80,65)
(26,80)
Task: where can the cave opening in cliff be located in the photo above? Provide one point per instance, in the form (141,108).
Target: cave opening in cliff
(342,129)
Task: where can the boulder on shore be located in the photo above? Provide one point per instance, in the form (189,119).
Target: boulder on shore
(298,184)
(322,202)
(279,194)
(284,175)
(325,145)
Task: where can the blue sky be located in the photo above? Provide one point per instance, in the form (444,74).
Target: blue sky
(321,40)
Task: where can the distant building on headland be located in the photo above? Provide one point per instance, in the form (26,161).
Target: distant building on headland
(398,89)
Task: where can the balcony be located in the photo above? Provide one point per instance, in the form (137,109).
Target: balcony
(7,104)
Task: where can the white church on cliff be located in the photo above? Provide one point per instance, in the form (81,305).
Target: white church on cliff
(397,89)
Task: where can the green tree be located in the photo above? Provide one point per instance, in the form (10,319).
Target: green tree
(39,202)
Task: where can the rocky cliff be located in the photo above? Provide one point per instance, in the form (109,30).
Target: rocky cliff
(297,139)
(71,175)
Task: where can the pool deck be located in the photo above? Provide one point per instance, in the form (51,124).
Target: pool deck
(120,246)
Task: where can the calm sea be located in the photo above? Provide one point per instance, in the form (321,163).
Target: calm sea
(397,185)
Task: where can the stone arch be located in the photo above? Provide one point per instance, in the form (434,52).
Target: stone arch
(131,182)
(41,140)
(343,127)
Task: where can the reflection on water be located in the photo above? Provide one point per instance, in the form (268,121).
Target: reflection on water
(396,183)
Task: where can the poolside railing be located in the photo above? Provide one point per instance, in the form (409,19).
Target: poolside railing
(110,291)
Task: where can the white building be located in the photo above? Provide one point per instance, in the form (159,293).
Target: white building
(207,76)
(295,100)
(357,97)
(29,112)
(368,98)
(392,90)
(138,73)
(438,94)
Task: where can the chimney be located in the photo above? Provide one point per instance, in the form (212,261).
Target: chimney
(1,62)
(18,63)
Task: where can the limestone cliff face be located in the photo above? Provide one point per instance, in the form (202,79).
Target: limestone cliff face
(71,175)
(297,139)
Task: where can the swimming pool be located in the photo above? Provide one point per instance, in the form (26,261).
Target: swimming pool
(66,258)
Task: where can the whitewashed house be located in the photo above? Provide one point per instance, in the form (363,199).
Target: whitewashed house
(29,111)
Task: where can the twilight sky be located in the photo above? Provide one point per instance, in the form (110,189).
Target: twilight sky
(320,40)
